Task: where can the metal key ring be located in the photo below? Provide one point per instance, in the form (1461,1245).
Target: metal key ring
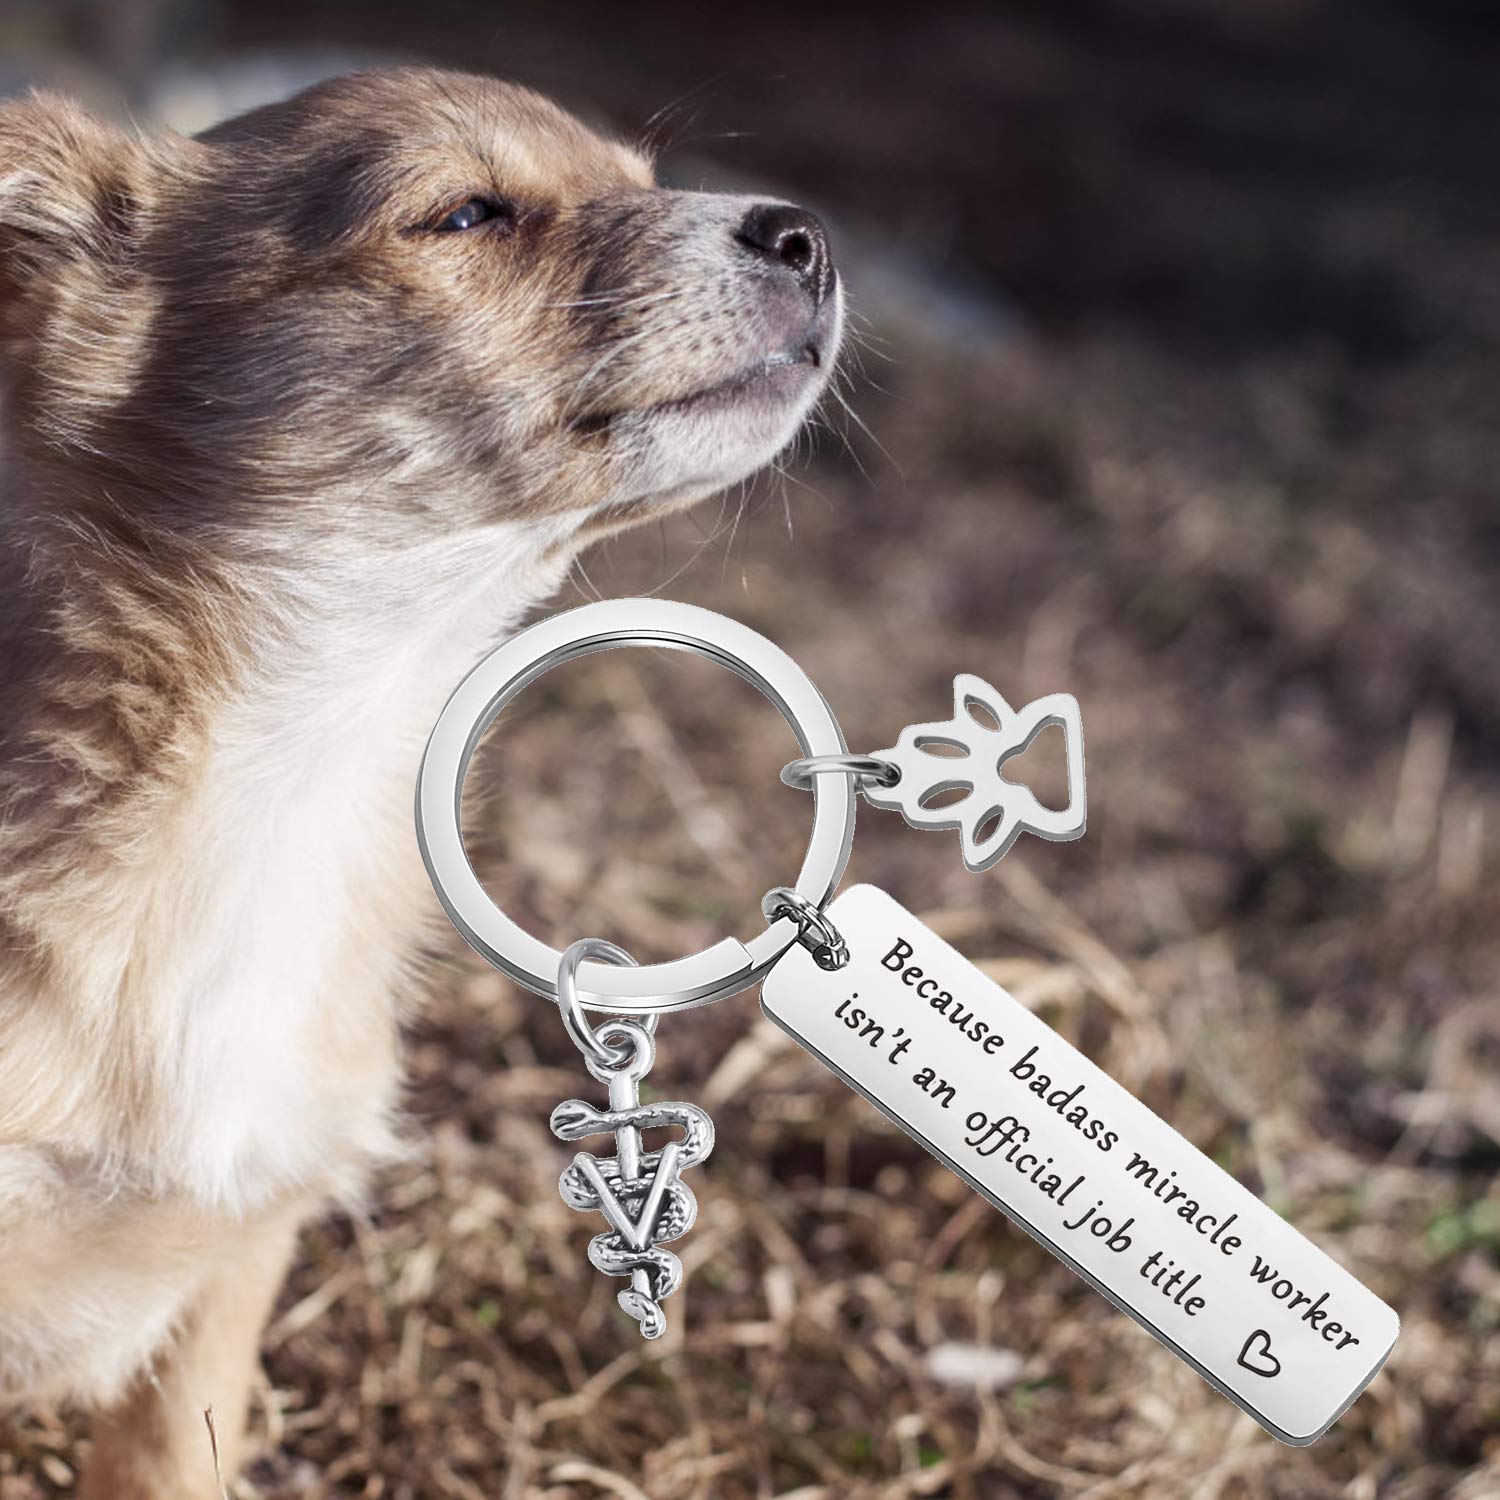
(588,1041)
(712,974)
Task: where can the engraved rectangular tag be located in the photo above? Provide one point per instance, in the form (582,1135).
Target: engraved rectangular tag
(1085,1168)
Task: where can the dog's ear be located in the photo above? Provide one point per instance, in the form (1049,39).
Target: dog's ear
(70,190)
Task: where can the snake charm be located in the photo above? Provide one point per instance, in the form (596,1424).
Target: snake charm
(640,1194)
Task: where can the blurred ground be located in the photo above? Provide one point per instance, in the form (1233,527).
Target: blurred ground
(1184,390)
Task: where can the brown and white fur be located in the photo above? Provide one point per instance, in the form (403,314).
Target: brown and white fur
(299,417)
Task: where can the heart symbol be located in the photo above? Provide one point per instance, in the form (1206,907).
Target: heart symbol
(1256,1355)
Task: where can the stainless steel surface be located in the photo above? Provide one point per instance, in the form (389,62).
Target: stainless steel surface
(1082,1165)
(730,965)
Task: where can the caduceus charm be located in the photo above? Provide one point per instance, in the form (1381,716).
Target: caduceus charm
(641,1194)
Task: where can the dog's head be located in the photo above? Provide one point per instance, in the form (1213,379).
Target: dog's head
(398,300)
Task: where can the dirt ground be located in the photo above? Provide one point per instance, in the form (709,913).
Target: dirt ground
(1184,402)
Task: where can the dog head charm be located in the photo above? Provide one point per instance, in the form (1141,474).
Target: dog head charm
(965,752)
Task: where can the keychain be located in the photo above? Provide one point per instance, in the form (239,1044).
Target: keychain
(903,1018)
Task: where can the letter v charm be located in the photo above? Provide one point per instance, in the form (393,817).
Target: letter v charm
(665,1207)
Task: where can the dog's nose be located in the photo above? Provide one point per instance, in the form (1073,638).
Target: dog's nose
(790,237)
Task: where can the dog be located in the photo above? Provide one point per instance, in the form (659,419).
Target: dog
(300,416)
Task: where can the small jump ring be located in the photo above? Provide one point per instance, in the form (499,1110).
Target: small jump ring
(585,1038)
(814,931)
(867,770)
(639,1046)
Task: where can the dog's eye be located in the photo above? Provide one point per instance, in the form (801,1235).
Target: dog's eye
(474,212)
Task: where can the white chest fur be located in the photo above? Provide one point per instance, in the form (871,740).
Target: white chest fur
(299,879)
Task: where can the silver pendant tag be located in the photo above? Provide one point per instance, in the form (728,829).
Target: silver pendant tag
(1085,1168)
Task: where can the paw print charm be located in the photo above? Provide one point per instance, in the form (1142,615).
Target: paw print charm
(969,752)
